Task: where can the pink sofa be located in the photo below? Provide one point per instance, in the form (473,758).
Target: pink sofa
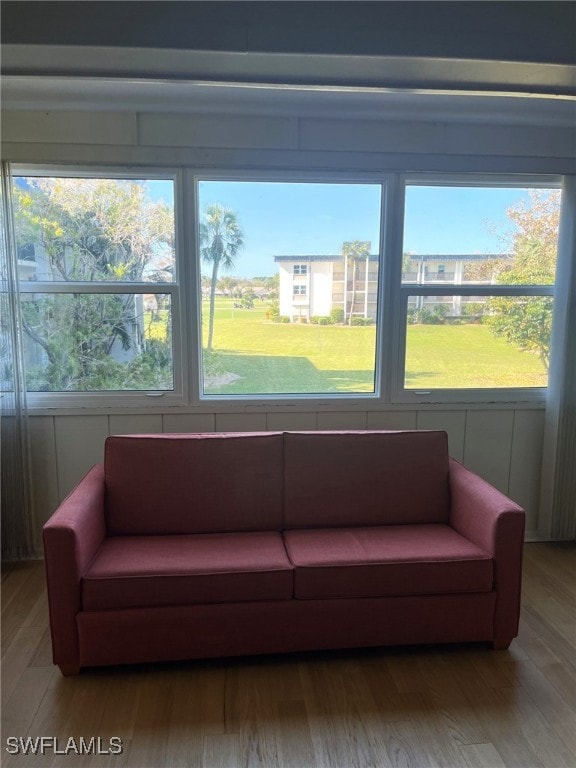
(204,545)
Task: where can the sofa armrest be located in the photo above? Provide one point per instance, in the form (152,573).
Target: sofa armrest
(71,538)
(494,522)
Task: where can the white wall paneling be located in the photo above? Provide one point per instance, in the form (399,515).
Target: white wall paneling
(189,422)
(135,425)
(79,445)
(44,469)
(226,141)
(278,422)
(436,138)
(70,127)
(240,422)
(526,463)
(488,445)
(454,422)
(342,420)
(217,131)
(391,420)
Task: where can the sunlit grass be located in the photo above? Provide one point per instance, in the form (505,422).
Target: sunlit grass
(252,355)
(467,356)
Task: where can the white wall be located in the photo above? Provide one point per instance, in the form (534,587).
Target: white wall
(501,443)
(285,288)
(295,141)
(321,288)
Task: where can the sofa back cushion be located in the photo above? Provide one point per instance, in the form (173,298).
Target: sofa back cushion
(365,478)
(210,483)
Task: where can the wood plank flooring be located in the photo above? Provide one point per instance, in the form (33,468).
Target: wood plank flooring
(448,707)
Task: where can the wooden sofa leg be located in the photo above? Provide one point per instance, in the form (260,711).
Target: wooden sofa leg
(501,645)
(69,669)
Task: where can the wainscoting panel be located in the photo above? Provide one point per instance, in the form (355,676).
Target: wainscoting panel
(488,445)
(44,469)
(278,422)
(526,462)
(342,420)
(136,425)
(240,422)
(454,422)
(189,422)
(79,445)
(391,420)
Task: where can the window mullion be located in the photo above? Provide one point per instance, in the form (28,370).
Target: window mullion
(389,321)
(32,286)
(412,289)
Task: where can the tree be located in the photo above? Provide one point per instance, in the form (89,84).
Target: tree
(353,252)
(221,238)
(92,230)
(526,322)
(227,284)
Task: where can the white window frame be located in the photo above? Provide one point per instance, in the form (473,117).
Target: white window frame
(195,176)
(120,398)
(400,394)
(393,296)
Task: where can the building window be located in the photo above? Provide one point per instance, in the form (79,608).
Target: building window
(488,326)
(258,240)
(98,281)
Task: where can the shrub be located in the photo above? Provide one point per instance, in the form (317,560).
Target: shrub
(361,321)
(474,311)
(274,312)
(337,315)
(425,316)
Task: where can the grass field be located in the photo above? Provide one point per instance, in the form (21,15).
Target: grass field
(252,355)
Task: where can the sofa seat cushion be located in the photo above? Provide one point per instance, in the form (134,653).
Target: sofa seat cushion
(142,571)
(386,560)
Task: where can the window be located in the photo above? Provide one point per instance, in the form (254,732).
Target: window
(488,325)
(392,287)
(270,323)
(98,281)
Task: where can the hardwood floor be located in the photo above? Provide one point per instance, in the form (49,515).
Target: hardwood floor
(452,707)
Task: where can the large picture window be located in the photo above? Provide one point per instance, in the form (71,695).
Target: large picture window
(245,287)
(289,287)
(98,280)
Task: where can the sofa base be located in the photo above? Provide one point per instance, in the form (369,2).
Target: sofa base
(69,669)
(502,644)
(243,629)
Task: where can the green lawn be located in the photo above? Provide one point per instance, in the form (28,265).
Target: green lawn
(253,355)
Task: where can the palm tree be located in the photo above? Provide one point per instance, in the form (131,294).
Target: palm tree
(353,252)
(221,237)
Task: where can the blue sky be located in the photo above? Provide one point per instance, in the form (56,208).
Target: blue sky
(313,219)
(304,219)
